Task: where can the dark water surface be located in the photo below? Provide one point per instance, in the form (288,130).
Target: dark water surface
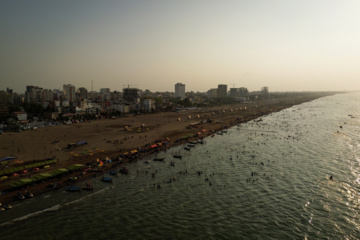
(260,180)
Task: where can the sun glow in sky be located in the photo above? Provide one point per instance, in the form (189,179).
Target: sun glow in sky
(307,45)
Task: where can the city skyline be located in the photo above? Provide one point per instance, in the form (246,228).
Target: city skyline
(289,46)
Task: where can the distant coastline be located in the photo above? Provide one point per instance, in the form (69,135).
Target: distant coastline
(111,138)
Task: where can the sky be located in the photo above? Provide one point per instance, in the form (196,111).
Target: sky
(298,45)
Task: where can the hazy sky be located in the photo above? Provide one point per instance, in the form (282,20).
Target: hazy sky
(286,45)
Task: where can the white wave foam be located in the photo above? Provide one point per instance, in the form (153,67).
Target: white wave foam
(53,208)
(87,196)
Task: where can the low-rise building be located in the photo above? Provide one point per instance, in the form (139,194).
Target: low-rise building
(149,105)
(51,115)
(21,116)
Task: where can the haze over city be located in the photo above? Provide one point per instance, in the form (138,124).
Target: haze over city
(286,45)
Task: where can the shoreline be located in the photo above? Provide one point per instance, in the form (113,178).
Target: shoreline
(161,127)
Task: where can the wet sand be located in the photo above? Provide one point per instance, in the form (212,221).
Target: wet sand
(110,137)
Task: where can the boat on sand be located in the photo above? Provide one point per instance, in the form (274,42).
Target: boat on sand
(73,189)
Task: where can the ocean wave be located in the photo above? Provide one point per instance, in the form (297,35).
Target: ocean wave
(51,209)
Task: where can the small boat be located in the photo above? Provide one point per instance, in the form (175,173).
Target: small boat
(187,149)
(172,163)
(2,209)
(112,172)
(124,170)
(147,161)
(28,194)
(177,156)
(7,207)
(20,196)
(159,159)
(106,179)
(73,189)
(191,145)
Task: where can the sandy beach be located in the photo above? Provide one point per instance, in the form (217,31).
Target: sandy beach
(113,137)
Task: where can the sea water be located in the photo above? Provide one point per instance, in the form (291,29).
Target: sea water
(264,179)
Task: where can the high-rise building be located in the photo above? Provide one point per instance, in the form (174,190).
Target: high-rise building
(265,91)
(83,92)
(47,95)
(69,92)
(33,94)
(239,92)
(131,95)
(105,94)
(234,92)
(222,91)
(180,90)
(243,92)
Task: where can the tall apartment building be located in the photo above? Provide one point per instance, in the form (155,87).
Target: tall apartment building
(47,95)
(180,90)
(222,91)
(83,93)
(33,94)
(69,92)
(239,92)
(265,91)
(105,94)
(131,95)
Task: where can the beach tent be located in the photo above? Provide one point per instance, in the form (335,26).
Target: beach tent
(21,182)
(76,167)
(3,178)
(41,176)
(59,171)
